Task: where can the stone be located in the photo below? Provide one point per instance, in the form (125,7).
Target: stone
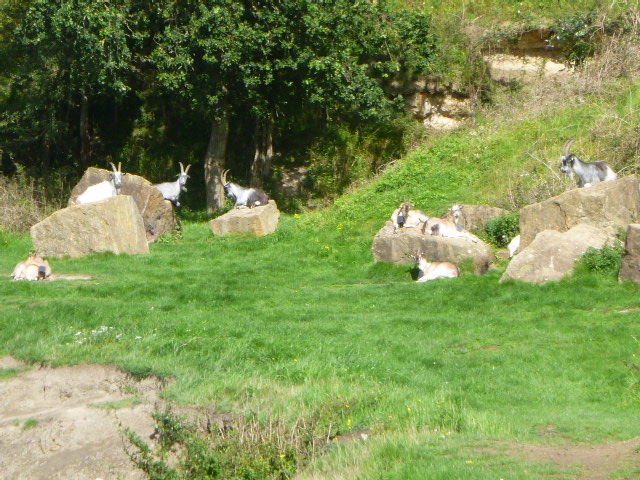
(398,247)
(609,206)
(260,221)
(157,213)
(630,265)
(475,217)
(553,255)
(110,225)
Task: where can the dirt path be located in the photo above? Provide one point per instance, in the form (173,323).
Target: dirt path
(57,424)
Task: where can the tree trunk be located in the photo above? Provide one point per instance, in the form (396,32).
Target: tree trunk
(214,161)
(85,153)
(263,156)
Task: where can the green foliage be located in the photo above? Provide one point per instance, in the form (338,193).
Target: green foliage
(500,231)
(605,260)
(576,36)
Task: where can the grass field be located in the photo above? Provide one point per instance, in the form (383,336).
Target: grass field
(301,326)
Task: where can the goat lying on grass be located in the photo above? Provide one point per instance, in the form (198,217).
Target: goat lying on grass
(33,268)
(588,173)
(244,197)
(107,189)
(405,217)
(171,190)
(432,270)
(448,226)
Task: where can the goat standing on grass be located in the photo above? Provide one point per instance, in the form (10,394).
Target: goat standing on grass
(244,197)
(449,226)
(405,217)
(106,189)
(588,173)
(171,190)
(432,270)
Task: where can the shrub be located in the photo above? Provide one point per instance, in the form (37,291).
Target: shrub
(500,231)
(605,260)
(22,204)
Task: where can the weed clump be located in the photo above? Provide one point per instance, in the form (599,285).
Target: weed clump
(22,205)
(605,260)
(500,231)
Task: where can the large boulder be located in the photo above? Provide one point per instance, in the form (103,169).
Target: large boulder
(475,217)
(111,225)
(157,213)
(609,206)
(630,266)
(553,254)
(260,221)
(398,247)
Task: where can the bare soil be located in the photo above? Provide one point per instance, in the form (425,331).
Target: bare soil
(67,423)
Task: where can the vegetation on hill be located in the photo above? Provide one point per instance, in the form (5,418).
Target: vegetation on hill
(308,345)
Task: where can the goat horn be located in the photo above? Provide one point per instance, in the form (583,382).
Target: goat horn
(181,168)
(567,147)
(186,170)
(113,167)
(120,167)
(223,176)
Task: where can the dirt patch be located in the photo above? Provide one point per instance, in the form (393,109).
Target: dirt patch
(591,462)
(67,423)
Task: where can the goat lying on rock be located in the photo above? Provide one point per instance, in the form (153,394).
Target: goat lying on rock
(405,217)
(33,268)
(588,173)
(107,189)
(244,197)
(433,270)
(171,190)
(449,226)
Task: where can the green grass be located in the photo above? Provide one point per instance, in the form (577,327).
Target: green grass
(302,325)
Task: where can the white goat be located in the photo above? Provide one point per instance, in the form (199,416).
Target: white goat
(588,173)
(33,268)
(432,270)
(106,189)
(514,246)
(171,190)
(405,217)
(449,226)
(244,197)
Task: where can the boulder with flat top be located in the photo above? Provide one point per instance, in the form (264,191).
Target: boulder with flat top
(110,225)
(398,248)
(260,221)
(157,213)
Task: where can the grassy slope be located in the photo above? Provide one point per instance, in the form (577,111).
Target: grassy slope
(302,323)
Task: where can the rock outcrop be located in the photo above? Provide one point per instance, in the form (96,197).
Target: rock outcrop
(475,217)
(630,266)
(157,213)
(609,206)
(260,221)
(111,225)
(397,248)
(552,254)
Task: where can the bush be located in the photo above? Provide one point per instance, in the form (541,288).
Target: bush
(605,260)
(500,231)
(22,204)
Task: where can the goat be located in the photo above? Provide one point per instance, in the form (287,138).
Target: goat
(244,197)
(588,173)
(106,189)
(448,227)
(514,246)
(171,190)
(432,270)
(33,268)
(404,217)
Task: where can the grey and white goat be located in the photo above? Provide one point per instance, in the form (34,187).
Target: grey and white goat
(244,197)
(405,217)
(33,268)
(432,270)
(449,226)
(588,173)
(171,190)
(106,189)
